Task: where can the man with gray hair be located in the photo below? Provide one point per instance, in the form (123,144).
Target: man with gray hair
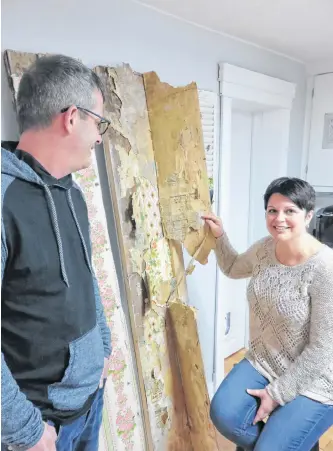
(55,339)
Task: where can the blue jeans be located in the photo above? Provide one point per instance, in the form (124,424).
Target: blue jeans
(297,426)
(83,433)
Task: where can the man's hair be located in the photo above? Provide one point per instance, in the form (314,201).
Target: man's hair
(51,84)
(300,192)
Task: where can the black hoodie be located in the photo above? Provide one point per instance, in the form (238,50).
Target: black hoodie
(54,332)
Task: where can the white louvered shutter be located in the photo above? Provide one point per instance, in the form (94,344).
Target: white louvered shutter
(208,110)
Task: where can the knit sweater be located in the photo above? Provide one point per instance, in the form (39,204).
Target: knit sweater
(291,318)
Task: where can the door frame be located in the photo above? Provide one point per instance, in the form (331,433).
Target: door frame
(312,70)
(238,85)
(309,103)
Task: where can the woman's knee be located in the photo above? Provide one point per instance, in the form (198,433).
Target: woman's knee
(232,414)
(225,416)
(231,421)
(233,409)
(220,415)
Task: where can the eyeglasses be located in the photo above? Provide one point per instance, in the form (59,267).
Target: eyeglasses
(102,125)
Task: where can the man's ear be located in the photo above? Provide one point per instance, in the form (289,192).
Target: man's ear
(70,118)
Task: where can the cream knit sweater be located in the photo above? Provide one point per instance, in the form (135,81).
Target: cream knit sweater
(291,318)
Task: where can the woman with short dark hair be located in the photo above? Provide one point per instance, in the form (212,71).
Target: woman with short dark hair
(287,374)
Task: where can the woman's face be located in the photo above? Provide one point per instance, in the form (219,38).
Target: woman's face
(284,219)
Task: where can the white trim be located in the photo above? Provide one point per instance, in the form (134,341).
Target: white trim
(221,33)
(216,203)
(255,80)
(307,126)
(249,86)
(249,231)
(222,211)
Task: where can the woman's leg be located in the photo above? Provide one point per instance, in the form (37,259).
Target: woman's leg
(233,410)
(297,426)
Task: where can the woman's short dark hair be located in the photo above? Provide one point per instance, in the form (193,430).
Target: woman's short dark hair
(300,192)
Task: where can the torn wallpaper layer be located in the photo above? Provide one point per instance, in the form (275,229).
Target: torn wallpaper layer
(175,122)
(145,254)
(182,179)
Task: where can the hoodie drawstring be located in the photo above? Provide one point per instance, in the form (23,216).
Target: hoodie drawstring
(54,217)
(71,206)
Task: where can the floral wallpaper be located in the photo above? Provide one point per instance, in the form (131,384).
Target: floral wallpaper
(122,428)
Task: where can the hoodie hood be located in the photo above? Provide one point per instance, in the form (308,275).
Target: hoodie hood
(14,167)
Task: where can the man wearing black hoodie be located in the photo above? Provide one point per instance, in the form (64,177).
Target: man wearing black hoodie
(55,339)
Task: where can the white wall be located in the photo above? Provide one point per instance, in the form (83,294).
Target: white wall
(118,31)
(115,31)
(320,67)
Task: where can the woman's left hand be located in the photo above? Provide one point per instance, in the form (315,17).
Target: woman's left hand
(267,404)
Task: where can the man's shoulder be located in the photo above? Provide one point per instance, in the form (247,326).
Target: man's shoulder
(6,181)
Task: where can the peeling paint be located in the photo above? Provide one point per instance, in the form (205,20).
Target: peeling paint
(128,170)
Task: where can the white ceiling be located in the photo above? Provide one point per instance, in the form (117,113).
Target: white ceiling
(301,29)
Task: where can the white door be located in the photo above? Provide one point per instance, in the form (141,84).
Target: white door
(242,141)
(240,173)
(270,142)
(320,162)
(258,154)
(259,149)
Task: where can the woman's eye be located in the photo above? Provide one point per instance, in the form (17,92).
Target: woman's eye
(290,212)
(271,211)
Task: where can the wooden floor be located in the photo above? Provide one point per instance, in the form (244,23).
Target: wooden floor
(326,442)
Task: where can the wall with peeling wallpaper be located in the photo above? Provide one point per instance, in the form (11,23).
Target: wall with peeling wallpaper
(115,31)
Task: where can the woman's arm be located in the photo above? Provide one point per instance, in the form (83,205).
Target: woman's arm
(232,264)
(318,354)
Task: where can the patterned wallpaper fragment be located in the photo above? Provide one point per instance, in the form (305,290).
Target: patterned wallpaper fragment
(175,122)
(147,256)
(122,423)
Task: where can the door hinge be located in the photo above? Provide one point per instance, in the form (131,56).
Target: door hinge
(312,92)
